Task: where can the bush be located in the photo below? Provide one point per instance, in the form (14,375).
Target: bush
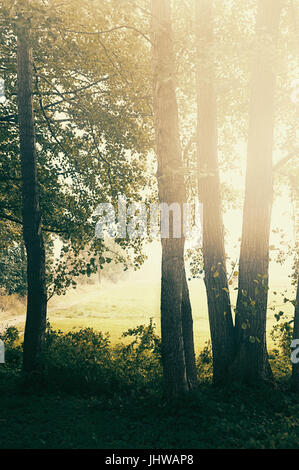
(204,363)
(76,360)
(280,356)
(13,348)
(139,362)
(85,361)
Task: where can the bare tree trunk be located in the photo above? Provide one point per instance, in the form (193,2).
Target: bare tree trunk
(219,307)
(23,264)
(295,371)
(37,295)
(252,359)
(187,323)
(177,364)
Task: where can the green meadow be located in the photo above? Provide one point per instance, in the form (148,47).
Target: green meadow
(115,307)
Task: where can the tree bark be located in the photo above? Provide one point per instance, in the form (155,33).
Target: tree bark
(252,359)
(295,369)
(178,357)
(37,295)
(219,307)
(188,337)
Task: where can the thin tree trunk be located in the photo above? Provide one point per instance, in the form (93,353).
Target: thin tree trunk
(219,307)
(177,364)
(252,359)
(295,370)
(37,295)
(187,323)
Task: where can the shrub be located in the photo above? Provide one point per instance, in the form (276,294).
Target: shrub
(280,356)
(85,361)
(76,360)
(204,363)
(13,348)
(140,360)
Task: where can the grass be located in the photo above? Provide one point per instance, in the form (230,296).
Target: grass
(114,308)
(212,419)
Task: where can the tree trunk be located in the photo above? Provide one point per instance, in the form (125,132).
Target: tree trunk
(23,266)
(252,360)
(187,323)
(219,307)
(177,364)
(295,371)
(37,295)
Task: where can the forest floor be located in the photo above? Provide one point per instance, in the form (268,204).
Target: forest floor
(211,419)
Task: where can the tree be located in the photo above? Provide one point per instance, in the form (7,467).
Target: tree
(176,320)
(33,237)
(295,368)
(293,174)
(251,311)
(91,121)
(214,258)
(82,151)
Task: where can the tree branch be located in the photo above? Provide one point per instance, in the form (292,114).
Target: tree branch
(107,31)
(19,222)
(283,161)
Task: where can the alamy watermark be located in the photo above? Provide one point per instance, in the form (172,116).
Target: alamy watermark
(2,91)
(140,220)
(2,352)
(295,352)
(295,91)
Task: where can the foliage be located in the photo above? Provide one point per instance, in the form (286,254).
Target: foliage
(13,276)
(92,117)
(204,363)
(13,348)
(145,339)
(85,360)
(280,356)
